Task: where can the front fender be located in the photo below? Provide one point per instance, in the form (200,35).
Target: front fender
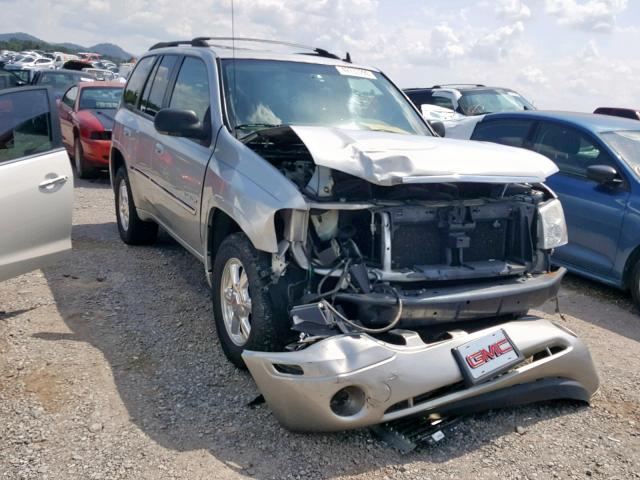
(249,190)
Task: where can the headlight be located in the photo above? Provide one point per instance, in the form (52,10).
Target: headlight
(552,229)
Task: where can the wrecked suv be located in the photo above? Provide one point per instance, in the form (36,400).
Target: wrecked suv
(361,268)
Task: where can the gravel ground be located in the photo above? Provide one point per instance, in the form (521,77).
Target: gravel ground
(109,368)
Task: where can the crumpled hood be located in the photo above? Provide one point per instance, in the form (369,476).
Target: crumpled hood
(390,158)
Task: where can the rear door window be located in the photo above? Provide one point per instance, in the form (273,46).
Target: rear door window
(154,92)
(507,132)
(570,149)
(136,82)
(25,124)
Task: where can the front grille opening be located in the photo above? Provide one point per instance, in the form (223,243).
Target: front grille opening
(412,402)
(547,352)
(288,369)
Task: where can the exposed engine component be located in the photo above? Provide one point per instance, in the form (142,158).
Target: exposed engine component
(417,252)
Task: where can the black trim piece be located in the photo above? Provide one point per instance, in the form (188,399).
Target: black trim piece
(531,392)
(461,302)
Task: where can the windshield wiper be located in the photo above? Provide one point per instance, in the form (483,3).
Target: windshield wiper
(253,127)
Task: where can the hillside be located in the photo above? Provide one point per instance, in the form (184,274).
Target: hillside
(23,41)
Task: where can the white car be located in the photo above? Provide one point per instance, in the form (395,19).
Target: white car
(36,182)
(29,62)
(460,107)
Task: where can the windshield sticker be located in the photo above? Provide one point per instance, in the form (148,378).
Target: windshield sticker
(355,72)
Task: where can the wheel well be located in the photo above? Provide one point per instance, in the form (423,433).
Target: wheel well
(116,161)
(220,227)
(628,267)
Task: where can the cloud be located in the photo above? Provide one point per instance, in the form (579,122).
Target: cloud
(594,15)
(513,10)
(496,45)
(532,76)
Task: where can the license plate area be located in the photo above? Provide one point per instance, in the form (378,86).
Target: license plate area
(486,357)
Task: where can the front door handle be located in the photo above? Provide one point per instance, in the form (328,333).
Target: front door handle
(51,182)
(159,149)
(127,132)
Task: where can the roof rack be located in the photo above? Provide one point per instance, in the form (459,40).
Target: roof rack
(202,42)
(442,85)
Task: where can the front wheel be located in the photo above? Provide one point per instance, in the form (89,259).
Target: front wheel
(133,231)
(82,169)
(634,285)
(245,312)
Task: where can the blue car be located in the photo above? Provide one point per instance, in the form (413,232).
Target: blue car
(598,185)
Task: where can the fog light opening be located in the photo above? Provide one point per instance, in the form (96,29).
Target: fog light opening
(347,401)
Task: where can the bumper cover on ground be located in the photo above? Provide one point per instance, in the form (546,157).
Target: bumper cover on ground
(416,378)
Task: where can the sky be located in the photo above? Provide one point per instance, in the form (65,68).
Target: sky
(560,54)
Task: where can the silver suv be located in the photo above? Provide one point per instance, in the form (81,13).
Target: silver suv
(341,238)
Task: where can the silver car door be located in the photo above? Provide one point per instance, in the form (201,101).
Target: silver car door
(36,182)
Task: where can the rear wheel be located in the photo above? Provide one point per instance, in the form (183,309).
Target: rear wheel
(245,312)
(82,169)
(133,231)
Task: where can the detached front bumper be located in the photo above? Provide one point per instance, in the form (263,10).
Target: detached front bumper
(389,381)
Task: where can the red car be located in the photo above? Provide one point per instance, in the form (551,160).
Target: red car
(631,113)
(87,111)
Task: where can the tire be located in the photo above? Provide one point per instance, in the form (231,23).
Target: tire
(269,327)
(634,284)
(82,169)
(133,231)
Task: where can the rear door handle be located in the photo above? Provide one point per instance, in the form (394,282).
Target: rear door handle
(51,182)
(159,149)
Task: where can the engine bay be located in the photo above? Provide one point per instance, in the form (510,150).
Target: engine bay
(387,253)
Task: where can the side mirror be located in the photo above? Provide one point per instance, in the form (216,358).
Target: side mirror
(179,123)
(603,175)
(438,127)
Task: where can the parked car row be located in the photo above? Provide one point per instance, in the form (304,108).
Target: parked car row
(92,62)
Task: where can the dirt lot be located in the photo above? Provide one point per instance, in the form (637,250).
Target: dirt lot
(109,368)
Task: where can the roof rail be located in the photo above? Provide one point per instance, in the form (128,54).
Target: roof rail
(202,42)
(442,85)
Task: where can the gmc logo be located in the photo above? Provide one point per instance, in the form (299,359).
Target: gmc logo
(483,355)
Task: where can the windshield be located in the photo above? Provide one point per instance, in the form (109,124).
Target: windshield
(265,93)
(61,81)
(626,144)
(100,98)
(492,101)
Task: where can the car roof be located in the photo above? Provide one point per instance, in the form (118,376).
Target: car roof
(61,70)
(589,121)
(456,86)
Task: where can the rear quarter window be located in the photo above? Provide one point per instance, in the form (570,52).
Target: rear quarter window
(136,82)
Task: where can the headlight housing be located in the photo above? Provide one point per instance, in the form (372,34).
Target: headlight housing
(552,228)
